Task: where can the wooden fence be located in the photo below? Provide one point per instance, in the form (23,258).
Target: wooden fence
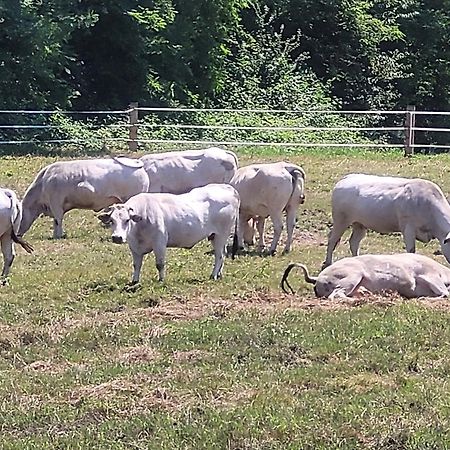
(131,121)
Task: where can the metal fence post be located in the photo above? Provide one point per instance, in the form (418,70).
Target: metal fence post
(133,129)
(410,123)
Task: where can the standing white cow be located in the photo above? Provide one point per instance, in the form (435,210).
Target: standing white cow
(153,222)
(81,184)
(415,207)
(409,275)
(269,190)
(10,217)
(179,172)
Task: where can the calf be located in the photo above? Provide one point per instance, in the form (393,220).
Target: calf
(410,275)
(415,207)
(269,190)
(10,217)
(153,222)
(81,184)
(179,172)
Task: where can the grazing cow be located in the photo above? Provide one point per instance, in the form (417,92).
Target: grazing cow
(155,221)
(81,184)
(410,275)
(179,172)
(10,217)
(269,190)
(415,207)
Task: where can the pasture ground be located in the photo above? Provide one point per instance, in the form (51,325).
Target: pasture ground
(87,362)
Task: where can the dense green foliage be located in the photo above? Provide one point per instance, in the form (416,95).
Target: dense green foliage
(281,53)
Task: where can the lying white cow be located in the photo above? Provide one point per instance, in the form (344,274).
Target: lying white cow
(10,217)
(408,274)
(179,172)
(81,184)
(269,190)
(415,207)
(153,222)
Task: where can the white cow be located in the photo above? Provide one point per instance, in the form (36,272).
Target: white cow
(155,221)
(179,172)
(81,184)
(415,207)
(410,275)
(10,217)
(269,190)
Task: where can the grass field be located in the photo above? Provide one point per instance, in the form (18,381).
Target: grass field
(87,362)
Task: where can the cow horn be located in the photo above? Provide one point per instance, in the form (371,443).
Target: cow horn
(284,280)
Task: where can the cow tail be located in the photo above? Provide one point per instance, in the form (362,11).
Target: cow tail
(25,245)
(235,247)
(295,173)
(284,279)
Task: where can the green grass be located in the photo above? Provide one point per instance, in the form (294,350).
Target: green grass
(87,362)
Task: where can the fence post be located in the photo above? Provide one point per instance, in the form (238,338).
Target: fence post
(410,123)
(133,133)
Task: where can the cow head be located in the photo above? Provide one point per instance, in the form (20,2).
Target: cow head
(119,218)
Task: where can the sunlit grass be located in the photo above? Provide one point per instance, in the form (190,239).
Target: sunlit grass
(88,362)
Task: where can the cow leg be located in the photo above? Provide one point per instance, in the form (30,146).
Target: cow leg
(427,286)
(277,220)
(58,214)
(8,253)
(249,232)
(409,238)
(348,287)
(260,224)
(290,224)
(243,225)
(334,237)
(356,237)
(137,265)
(219,244)
(160,259)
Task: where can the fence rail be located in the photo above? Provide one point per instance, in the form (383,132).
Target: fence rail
(401,135)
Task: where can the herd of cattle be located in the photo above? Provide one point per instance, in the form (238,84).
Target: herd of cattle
(177,199)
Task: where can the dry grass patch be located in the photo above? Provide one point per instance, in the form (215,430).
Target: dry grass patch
(48,367)
(190,355)
(140,354)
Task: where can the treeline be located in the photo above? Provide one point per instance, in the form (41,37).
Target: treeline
(96,54)
(90,54)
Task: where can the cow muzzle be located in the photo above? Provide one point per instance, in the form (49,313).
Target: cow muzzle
(302,199)
(117,239)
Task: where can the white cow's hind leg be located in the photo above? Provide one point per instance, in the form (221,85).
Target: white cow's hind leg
(260,225)
(242,226)
(356,237)
(219,244)
(290,224)
(137,265)
(333,239)
(160,259)
(277,220)
(8,253)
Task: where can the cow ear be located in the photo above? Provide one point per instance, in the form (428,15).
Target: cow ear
(135,217)
(105,216)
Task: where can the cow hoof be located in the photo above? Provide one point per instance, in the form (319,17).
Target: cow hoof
(286,251)
(4,282)
(132,286)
